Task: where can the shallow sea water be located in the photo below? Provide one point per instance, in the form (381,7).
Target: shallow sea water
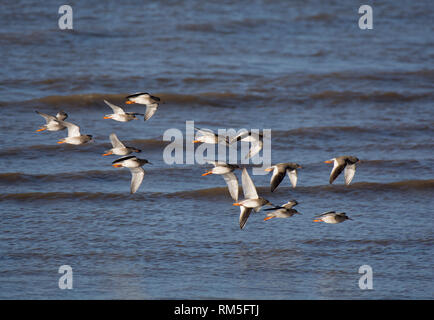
(301,68)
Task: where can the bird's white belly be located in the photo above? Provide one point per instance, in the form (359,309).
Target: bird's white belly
(208,139)
(221,170)
(53,126)
(130,163)
(251,203)
(281,213)
(74,140)
(120,117)
(330,220)
(142,100)
(120,151)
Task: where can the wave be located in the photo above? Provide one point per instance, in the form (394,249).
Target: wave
(377,76)
(140,196)
(226,26)
(12,177)
(20,177)
(146,144)
(405,185)
(79,100)
(379,242)
(198,27)
(214,99)
(33,196)
(220,99)
(20,150)
(315,131)
(216,192)
(399,163)
(280,139)
(387,163)
(325,17)
(219,192)
(376,96)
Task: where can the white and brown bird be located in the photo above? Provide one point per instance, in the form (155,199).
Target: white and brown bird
(151,102)
(332,217)
(119,148)
(142,98)
(227,171)
(135,165)
(119,113)
(74,135)
(251,199)
(53,123)
(339,164)
(208,136)
(284,211)
(279,171)
(256,140)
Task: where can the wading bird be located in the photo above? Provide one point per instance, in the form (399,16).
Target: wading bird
(226,170)
(279,171)
(52,123)
(135,165)
(251,201)
(339,164)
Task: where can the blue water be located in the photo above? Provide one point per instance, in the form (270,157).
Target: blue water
(303,69)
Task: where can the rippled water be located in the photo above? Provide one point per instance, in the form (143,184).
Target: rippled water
(302,68)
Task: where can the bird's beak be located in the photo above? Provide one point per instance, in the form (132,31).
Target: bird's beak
(107,154)
(206,173)
(269,169)
(196,141)
(328,161)
(129,102)
(117,165)
(60,141)
(107,117)
(236,204)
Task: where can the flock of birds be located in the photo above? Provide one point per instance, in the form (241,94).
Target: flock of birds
(58,123)
(251,201)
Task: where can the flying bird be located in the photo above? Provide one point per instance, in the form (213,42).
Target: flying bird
(119,113)
(332,217)
(284,211)
(150,111)
(142,98)
(119,148)
(222,168)
(151,102)
(251,199)
(74,135)
(53,123)
(279,171)
(256,140)
(135,165)
(339,164)
(208,136)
